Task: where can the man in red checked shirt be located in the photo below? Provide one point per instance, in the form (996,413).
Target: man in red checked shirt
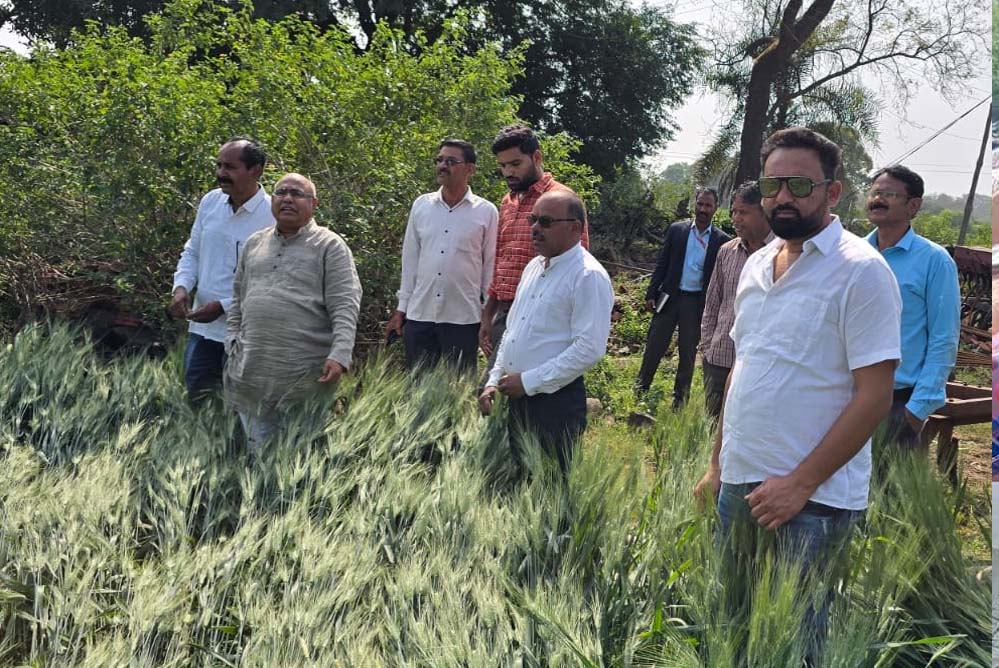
(518,155)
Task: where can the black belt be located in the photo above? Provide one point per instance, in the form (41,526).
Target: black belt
(689,293)
(902,394)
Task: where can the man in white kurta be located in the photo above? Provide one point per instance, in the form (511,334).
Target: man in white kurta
(293,319)
(556,330)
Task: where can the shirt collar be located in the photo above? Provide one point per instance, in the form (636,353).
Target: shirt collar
(251,204)
(566,256)
(826,240)
(707,230)
(302,231)
(467,197)
(770,237)
(540,186)
(905,243)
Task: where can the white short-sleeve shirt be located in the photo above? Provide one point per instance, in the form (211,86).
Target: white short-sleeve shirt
(836,309)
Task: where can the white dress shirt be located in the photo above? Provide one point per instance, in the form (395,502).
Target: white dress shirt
(835,310)
(211,254)
(558,324)
(447,259)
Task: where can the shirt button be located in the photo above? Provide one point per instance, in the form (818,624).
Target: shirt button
(442,252)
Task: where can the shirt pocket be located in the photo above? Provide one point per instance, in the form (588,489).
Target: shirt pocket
(802,334)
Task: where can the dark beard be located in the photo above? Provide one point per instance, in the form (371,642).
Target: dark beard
(798,227)
(526,182)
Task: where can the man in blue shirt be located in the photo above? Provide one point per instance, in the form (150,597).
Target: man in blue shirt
(931,301)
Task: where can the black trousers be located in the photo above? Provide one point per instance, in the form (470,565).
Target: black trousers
(897,428)
(682,311)
(714,387)
(557,419)
(430,342)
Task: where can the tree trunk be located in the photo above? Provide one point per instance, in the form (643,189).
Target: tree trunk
(766,67)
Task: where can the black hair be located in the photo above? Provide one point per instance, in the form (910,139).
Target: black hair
(467,150)
(913,181)
(830,155)
(748,192)
(252,153)
(706,190)
(519,136)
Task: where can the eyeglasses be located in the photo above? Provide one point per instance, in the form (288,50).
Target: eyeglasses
(294,193)
(548,221)
(799,186)
(885,194)
(449,161)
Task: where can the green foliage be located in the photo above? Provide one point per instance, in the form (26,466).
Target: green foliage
(135,533)
(111,141)
(627,211)
(942,227)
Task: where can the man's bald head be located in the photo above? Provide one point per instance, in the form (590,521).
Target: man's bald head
(294,202)
(557,223)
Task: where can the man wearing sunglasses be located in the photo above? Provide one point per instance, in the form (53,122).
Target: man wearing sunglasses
(931,302)
(226,217)
(557,329)
(675,295)
(447,264)
(817,323)
(291,326)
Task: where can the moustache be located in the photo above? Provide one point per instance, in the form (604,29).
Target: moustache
(877,206)
(224,181)
(785,207)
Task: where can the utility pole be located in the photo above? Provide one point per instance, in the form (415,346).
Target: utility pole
(974,180)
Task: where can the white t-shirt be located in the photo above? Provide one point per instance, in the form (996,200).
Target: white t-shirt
(836,309)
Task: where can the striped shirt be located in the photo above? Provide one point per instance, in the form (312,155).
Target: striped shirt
(514,247)
(716,345)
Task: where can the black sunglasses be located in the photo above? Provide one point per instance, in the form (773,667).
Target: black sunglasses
(799,186)
(548,221)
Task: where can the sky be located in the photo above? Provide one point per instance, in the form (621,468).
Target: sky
(946,163)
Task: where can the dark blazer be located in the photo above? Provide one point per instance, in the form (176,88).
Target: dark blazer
(669,266)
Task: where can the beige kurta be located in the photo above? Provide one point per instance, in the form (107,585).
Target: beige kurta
(295,304)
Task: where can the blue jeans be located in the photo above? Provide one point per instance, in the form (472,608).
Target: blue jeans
(818,538)
(203,362)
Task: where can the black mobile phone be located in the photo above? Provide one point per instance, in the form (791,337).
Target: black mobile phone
(393,336)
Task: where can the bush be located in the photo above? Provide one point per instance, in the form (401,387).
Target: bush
(107,146)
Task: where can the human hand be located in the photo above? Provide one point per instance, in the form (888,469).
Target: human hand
(511,385)
(332,370)
(180,304)
(486,400)
(395,324)
(486,337)
(777,500)
(709,484)
(914,422)
(207,312)
(650,305)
